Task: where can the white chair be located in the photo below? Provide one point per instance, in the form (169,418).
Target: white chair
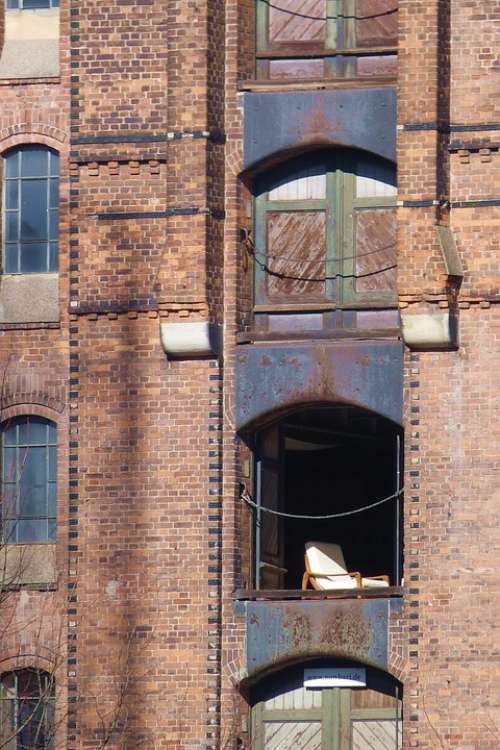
(326,570)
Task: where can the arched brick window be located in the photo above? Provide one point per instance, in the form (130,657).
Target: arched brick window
(27,698)
(31,210)
(29,446)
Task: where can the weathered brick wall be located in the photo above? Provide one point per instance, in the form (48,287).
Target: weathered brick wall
(147,171)
(33,374)
(451,540)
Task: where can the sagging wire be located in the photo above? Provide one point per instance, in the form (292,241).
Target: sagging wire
(326,17)
(245,496)
(251,250)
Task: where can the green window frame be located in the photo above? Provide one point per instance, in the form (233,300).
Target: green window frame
(351,278)
(343,51)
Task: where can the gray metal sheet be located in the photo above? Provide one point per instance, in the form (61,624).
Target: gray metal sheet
(354,118)
(368,374)
(278,633)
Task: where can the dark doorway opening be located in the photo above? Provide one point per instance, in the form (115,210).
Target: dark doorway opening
(323,461)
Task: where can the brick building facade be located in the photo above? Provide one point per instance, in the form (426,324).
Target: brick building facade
(223,333)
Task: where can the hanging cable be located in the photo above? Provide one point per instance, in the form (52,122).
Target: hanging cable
(248,500)
(256,254)
(326,17)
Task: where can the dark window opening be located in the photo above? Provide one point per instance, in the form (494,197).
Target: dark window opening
(315,39)
(319,462)
(27,698)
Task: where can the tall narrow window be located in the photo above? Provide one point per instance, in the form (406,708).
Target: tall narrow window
(29,481)
(31,210)
(27,698)
(311,39)
(325,231)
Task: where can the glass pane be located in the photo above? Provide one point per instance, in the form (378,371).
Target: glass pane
(297,21)
(52,463)
(33,431)
(11,226)
(376,250)
(296,68)
(10,531)
(34,161)
(12,164)
(376,23)
(377,65)
(7,724)
(53,225)
(8,685)
(53,255)
(52,530)
(9,465)
(33,257)
(11,193)
(28,4)
(54,193)
(10,434)
(296,254)
(52,433)
(9,509)
(33,209)
(52,499)
(376,735)
(31,532)
(292,735)
(33,482)
(12,258)
(54,158)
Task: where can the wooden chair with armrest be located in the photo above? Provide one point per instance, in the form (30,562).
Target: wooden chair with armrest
(325,570)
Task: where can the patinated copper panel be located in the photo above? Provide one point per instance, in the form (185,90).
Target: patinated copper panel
(376,250)
(296,251)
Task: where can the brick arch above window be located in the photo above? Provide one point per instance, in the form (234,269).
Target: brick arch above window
(22,134)
(23,392)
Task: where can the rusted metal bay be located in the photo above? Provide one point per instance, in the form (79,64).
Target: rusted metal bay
(287,632)
(276,377)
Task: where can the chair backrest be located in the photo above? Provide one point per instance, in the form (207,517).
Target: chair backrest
(325,558)
(328,559)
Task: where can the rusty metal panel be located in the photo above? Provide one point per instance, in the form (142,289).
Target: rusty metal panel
(278,633)
(355,118)
(368,374)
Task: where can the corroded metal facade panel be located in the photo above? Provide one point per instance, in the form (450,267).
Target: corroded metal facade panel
(283,632)
(366,374)
(355,118)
